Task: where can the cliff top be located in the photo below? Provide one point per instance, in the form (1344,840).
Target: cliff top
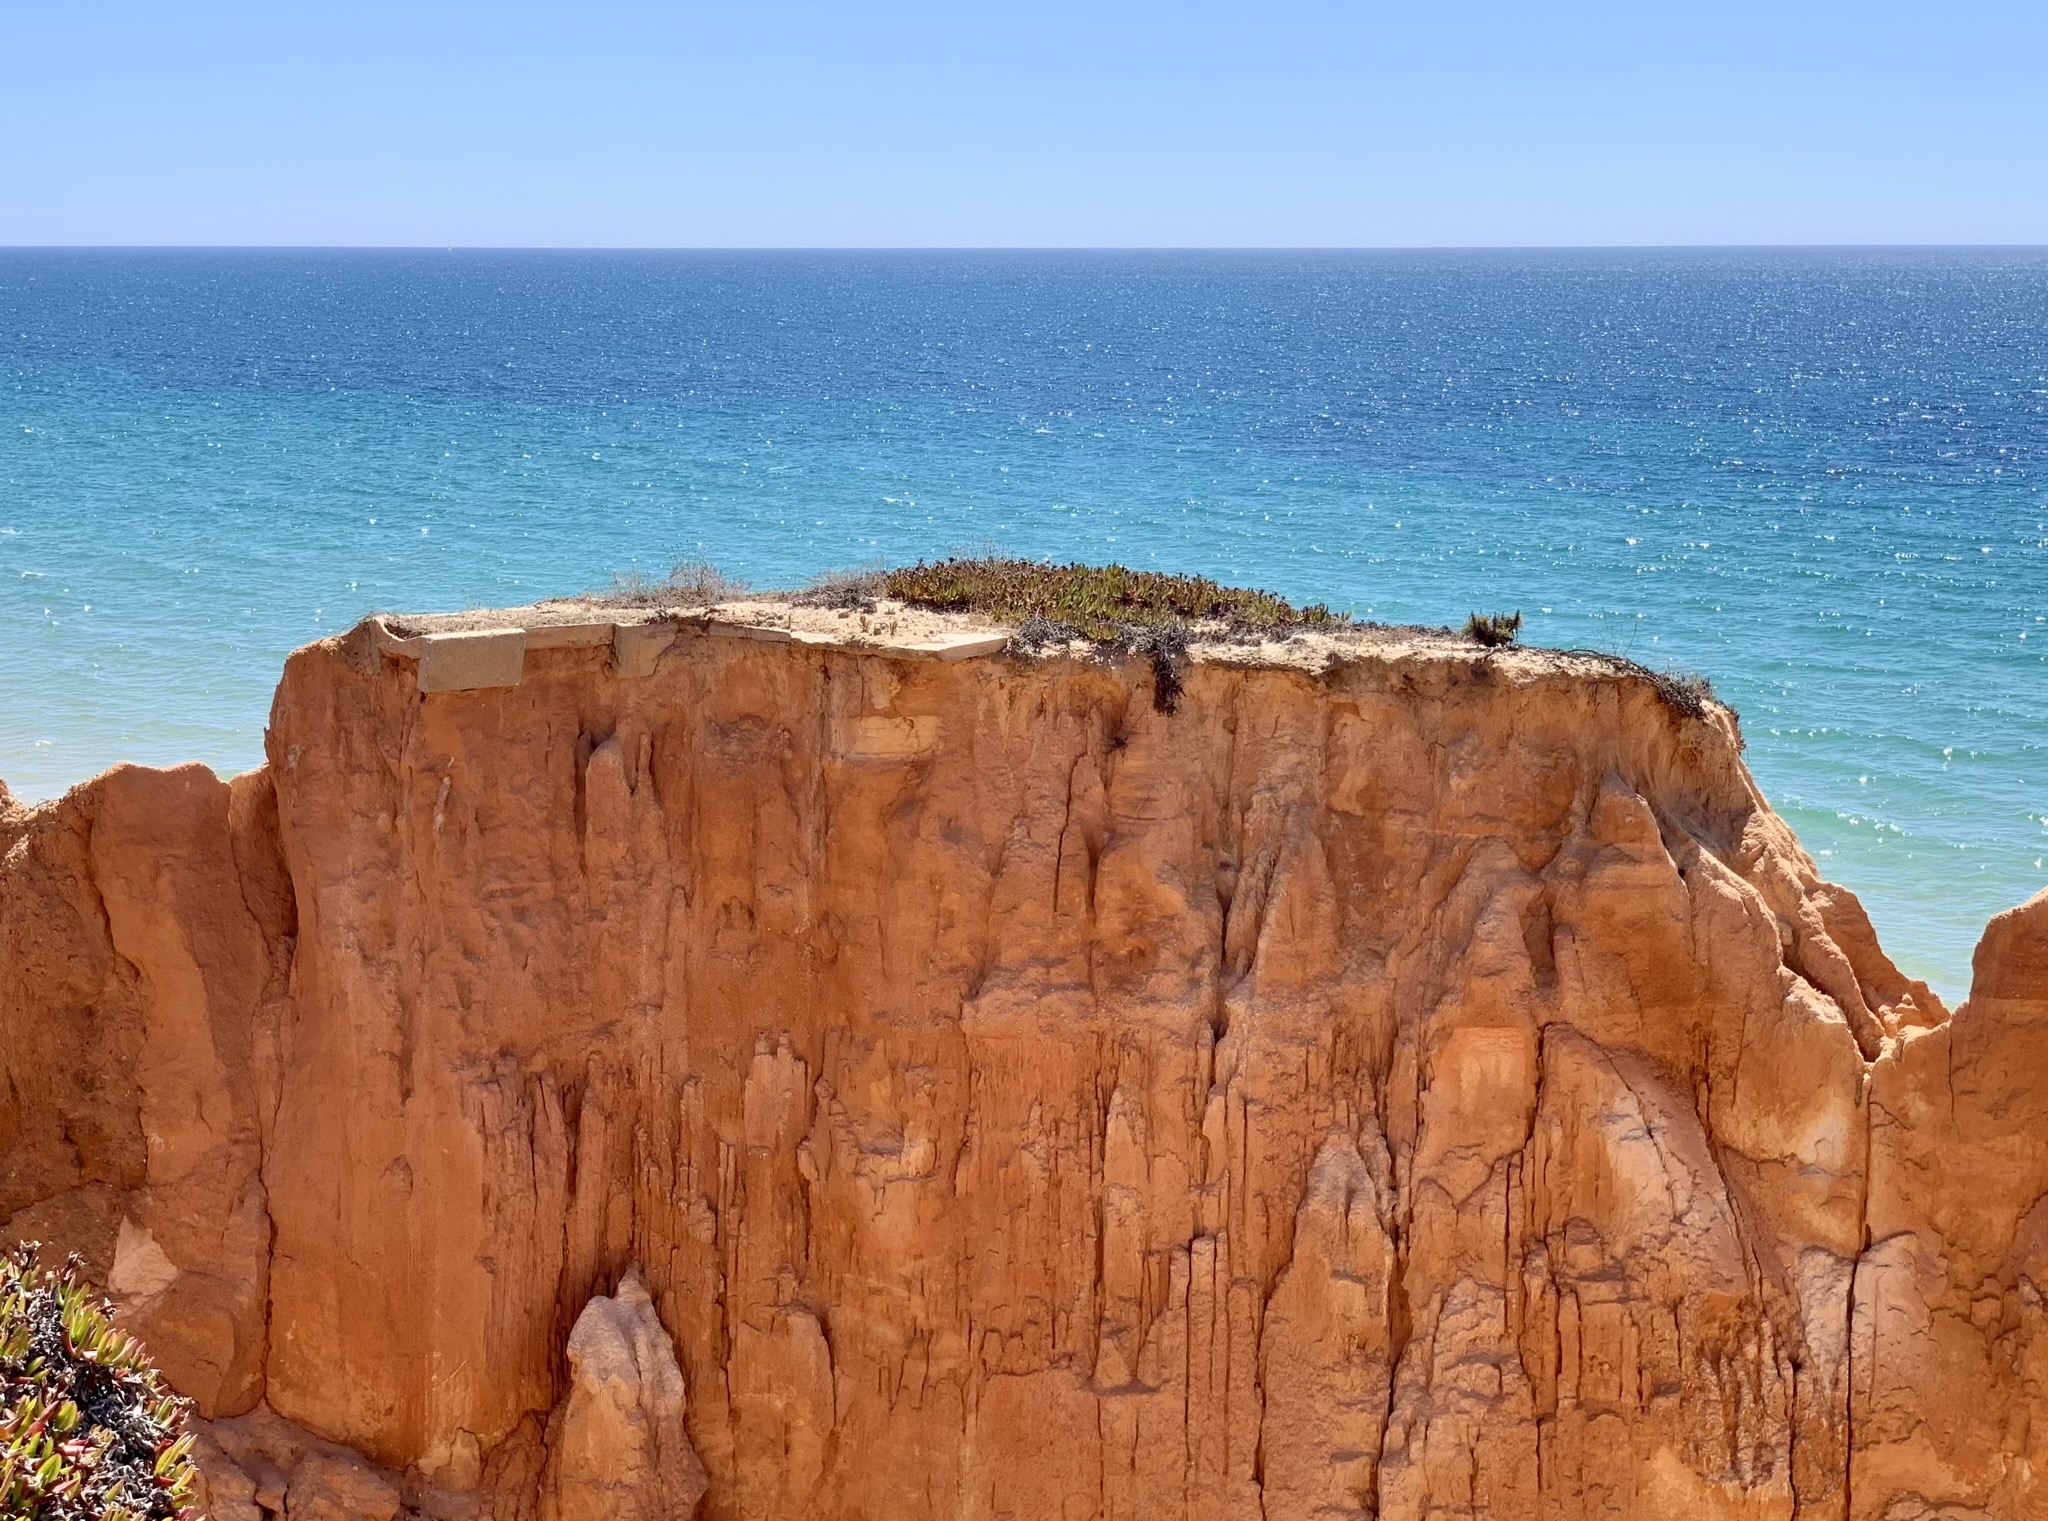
(956,609)
(889,622)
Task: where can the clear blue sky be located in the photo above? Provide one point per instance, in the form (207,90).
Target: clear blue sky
(1288,122)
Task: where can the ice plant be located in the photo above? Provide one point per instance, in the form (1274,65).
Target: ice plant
(1097,602)
(88,1429)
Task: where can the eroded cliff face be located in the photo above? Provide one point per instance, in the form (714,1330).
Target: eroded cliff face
(1424,1086)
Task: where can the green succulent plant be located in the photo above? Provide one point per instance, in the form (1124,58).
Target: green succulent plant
(1100,603)
(88,1429)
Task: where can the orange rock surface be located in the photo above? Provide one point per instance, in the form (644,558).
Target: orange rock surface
(1416,1084)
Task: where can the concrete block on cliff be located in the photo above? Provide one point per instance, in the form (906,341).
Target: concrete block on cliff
(468,662)
(759,631)
(951,647)
(569,636)
(637,646)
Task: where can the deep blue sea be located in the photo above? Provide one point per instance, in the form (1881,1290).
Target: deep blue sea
(1818,477)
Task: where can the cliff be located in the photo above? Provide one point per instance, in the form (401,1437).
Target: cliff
(813,1065)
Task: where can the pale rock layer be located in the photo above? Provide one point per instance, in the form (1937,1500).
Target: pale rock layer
(1424,1087)
(619,1446)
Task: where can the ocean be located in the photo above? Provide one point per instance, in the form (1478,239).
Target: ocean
(1818,477)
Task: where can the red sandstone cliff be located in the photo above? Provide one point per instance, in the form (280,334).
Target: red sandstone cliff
(1416,1086)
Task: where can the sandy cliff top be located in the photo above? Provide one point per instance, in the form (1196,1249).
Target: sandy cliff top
(888,626)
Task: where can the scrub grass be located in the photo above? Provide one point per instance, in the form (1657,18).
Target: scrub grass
(856,590)
(1494,631)
(1682,691)
(692,583)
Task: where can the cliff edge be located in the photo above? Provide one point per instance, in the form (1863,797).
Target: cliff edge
(844,1066)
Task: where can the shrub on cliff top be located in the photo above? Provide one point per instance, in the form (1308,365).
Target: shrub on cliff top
(1101,603)
(692,583)
(851,589)
(1494,630)
(88,1431)
(1682,691)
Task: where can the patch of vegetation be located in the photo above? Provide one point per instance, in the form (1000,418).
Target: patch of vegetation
(1683,691)
(1166,646)
(1099,603)
(692,583)
(88,1430)
(1494,630)
(1119,610)
(853,590)
(1036,633)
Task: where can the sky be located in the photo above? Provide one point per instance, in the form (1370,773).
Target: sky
(974,123)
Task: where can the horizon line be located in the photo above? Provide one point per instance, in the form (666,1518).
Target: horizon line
(966,248)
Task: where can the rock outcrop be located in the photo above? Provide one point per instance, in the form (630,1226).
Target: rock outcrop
(619,1448)
(1401,1083)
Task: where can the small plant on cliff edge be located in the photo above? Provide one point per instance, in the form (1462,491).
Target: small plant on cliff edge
(691,583)
(1494,630)
(88,1430)
(850,590)
(1166,646)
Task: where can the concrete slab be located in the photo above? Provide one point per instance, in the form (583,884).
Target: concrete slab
(568,636)
(471,662)
(750,631)
(956,647)
(636,647)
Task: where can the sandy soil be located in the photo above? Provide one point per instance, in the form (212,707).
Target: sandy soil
(887,622)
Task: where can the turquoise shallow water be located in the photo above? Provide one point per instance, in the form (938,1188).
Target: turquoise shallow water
(1819,477)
